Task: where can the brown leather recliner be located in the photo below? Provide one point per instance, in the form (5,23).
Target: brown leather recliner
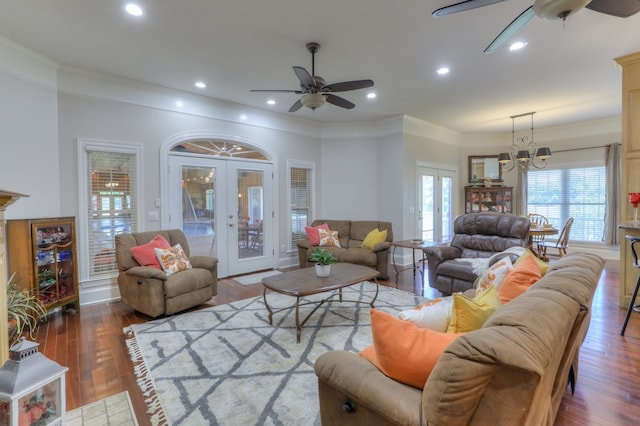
(150,290)
(476,235)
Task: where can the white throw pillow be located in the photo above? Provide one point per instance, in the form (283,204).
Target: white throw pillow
(494,275)
(434,315)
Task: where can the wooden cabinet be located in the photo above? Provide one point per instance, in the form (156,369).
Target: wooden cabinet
(42,254)
(487,199)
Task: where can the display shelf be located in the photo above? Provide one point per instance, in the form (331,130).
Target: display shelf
(488,199)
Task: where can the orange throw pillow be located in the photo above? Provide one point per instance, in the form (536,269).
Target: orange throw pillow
(145,254)
(522,276)
(402,351)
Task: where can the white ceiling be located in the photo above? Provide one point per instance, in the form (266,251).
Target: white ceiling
(566,73)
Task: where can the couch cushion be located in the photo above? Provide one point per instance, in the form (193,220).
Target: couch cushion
(145,254)
(403,351)
(358,255)
(186,281)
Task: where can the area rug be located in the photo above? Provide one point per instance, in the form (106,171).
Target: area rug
(255,278)
(226,365)
(114,410)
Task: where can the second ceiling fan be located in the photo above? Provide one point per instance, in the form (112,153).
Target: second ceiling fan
(545,9)
(314,89)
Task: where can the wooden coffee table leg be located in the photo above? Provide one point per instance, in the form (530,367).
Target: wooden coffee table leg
(264,296)
(376,296)
(298,326)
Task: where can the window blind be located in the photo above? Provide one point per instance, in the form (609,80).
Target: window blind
(112,205)
(300,208)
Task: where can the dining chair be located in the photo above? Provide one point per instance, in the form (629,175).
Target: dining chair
(561,245)
(539,221)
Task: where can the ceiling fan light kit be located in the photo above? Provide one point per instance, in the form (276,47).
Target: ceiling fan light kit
(314,89)
(544,9)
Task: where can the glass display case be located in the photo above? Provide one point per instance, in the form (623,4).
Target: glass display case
(42,254)
(488,199)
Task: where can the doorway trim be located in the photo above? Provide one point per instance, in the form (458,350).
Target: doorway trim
(176,139)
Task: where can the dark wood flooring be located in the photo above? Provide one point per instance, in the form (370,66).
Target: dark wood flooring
(91,343)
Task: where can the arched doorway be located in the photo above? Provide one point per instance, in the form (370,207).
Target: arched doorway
(220,193)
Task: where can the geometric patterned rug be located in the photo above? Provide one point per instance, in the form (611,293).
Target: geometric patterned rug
(226,365)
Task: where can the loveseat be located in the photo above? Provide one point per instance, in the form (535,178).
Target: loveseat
(351,235)
(476,236)
(150,290)
(512,371)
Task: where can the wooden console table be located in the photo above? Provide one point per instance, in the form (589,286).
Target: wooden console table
(414,245)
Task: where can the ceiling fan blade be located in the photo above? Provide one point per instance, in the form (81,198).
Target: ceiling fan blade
(620,8)
(348,85)
(276,90)
(462,6)
(338,101)
(305,78)
(511,29)
(296,106)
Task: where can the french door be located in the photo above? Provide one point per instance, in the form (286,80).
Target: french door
(225,209)
(435,203)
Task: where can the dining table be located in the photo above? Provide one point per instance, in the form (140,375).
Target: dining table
(538,231)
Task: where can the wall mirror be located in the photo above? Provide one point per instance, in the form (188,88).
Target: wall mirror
(484,166)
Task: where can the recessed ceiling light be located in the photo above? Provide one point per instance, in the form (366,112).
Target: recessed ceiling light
(179,103)
(371,95)
(243,117)
(271,102)
(442,71)
(133,9)
(517,45)
(200,84)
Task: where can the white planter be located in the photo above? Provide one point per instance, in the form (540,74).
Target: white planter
(323,270)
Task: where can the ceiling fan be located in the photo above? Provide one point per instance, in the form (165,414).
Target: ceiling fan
(314,89)
(545,9)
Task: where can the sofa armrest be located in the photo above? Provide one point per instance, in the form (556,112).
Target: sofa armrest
(440,254)
(352,376)
(303,247)
(381,246)
(147,272)
(204,262)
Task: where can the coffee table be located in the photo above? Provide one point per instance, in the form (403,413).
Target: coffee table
(304,282)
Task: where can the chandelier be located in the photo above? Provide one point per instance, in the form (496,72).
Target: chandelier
(523,150)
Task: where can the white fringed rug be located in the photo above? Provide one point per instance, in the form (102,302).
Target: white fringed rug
(226,365)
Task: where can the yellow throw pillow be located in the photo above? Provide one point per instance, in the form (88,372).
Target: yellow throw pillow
(173,259)
(374,238)
(403,351)
(544,266)
(470,314)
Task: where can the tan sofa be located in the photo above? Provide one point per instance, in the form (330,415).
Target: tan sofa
(150,290)
(512,371)
(351,235)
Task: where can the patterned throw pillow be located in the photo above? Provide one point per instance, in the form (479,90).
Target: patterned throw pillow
(494,275)
(173,259)
(328,238)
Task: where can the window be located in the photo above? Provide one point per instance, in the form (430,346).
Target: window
(300,201)
(109,203)
(570,192)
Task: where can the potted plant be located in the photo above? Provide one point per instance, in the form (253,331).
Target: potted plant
(324,259)
(24,311)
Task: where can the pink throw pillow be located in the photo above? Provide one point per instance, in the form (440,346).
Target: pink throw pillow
(145,254)
(312,233)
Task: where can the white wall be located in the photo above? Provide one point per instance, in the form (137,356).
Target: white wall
(29,163)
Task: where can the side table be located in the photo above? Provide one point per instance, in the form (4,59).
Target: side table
(414,245)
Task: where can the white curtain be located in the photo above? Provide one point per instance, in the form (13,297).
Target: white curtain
(612,210)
